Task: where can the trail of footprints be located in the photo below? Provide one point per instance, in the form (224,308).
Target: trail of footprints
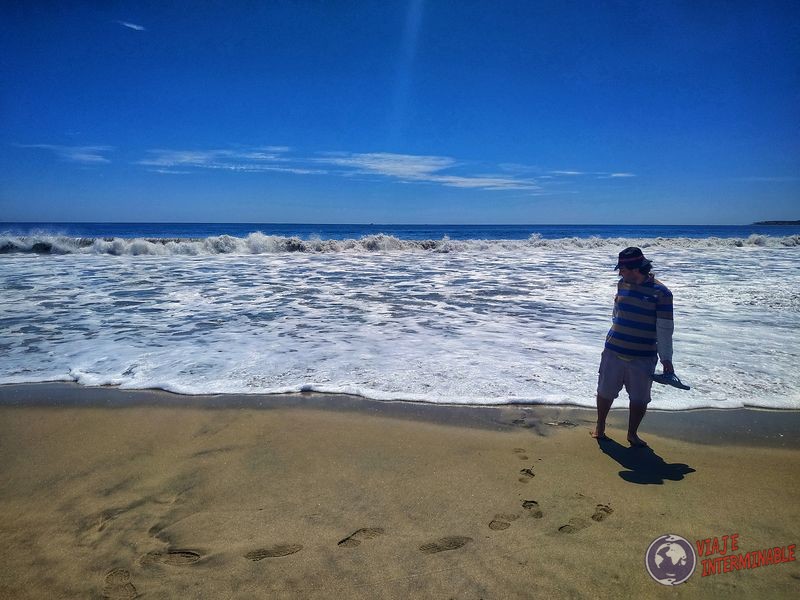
(117,583)
(575,524)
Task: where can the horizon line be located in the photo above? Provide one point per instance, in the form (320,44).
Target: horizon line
(374,223)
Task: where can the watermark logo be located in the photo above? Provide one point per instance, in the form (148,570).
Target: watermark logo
(670,559)
(721,555)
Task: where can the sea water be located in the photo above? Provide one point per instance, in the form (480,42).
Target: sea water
(462,314)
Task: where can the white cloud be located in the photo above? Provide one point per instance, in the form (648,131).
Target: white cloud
(87,155)
(129,25)
(206,158)
(252,160)
(598,175)
(420,168)
(603,175)
(172,158)
(486,182)
(406,168)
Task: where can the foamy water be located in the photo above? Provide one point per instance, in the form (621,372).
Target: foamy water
(467,322)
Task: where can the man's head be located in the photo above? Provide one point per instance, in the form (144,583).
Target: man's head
(633,266)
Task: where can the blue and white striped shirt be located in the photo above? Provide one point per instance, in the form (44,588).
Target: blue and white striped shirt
(642,315)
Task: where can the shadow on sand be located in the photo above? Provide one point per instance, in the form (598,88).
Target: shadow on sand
(643,465)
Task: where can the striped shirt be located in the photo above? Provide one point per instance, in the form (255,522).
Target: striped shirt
(640,310)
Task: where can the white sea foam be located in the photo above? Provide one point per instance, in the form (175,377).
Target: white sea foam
(472,322)
(258,243)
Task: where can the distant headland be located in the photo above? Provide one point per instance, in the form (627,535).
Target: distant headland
(777,223)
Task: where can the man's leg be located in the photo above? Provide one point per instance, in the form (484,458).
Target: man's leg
(609,382)
(639,382)
(637,412)
(603,406)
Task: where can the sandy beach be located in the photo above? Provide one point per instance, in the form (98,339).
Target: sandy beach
(125,494)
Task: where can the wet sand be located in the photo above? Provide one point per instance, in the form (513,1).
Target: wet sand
(120,494)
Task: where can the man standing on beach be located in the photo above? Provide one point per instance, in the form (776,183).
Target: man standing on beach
(641,331)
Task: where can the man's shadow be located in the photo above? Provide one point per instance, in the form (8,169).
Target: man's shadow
(643,465)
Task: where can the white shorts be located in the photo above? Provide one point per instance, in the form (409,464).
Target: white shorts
(635,374)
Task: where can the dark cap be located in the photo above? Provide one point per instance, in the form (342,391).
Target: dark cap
(632,258)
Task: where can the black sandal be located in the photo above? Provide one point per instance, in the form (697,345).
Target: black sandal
(670,379)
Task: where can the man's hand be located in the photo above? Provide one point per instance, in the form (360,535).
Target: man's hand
(668,368)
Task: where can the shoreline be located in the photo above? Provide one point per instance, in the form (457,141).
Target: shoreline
(124,494)
(753,426)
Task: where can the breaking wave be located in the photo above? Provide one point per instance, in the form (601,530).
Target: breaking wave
(259,243)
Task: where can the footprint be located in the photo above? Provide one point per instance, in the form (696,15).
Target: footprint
(502,521)
(273,551)
(174,557)
(445,543)
(355,538)
(527,475)
(575,524)
(533,507)
(601,512)
(117,584)
(521,453)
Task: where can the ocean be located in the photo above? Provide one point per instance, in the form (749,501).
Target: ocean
(467,314)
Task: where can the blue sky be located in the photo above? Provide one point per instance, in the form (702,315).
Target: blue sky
(400,112)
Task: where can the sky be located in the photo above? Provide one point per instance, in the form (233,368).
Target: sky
(420,111)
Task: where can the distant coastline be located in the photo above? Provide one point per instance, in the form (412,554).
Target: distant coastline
(777,223)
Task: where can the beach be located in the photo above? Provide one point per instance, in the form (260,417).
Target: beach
(317,300)
(133,493)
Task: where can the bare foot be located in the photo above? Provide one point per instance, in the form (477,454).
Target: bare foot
(636,441)
(598,434)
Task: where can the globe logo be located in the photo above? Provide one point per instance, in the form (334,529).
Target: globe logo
(670,559)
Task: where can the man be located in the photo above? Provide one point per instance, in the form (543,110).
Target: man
(641,331)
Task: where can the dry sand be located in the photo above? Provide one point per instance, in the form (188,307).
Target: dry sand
(107,493)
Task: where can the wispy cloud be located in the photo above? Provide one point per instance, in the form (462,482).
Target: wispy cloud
(81,154)
(422,169)
(130,25)
(267,158)
(597,174)
(541,173)
(170,172)
(171,158)
(402,168)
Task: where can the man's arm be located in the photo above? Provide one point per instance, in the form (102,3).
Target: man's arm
(665,326)
(664,329)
